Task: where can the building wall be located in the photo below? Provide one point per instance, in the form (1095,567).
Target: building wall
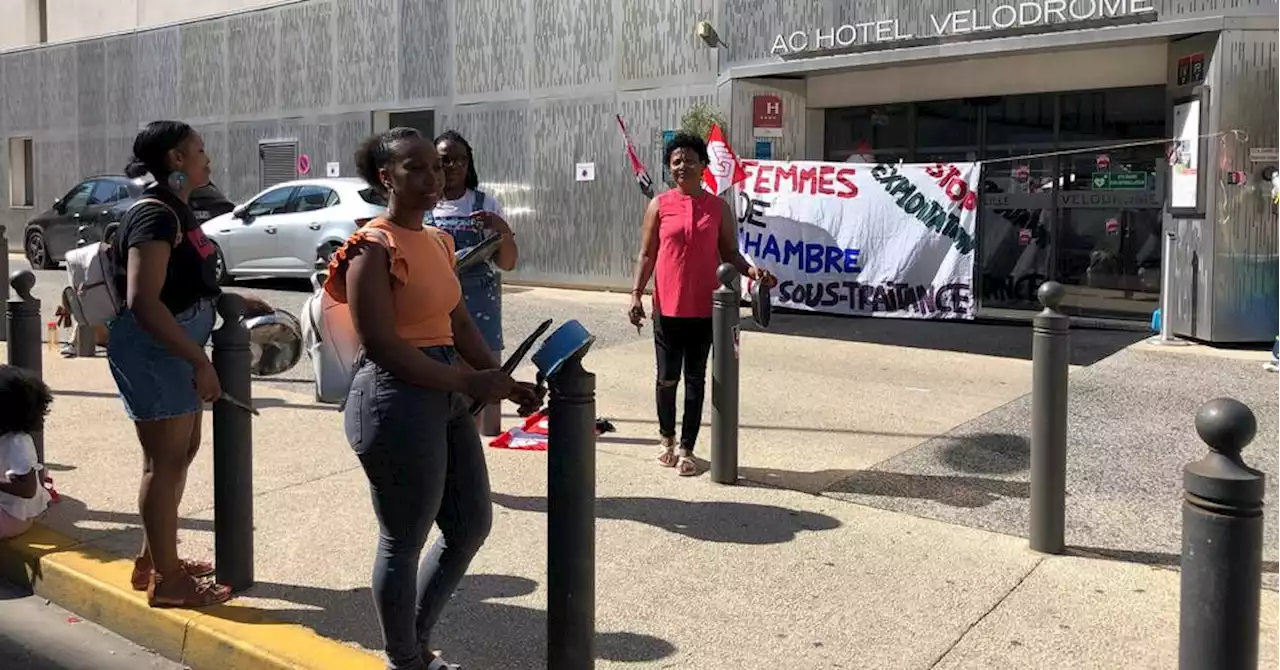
(21,25)
(535,84)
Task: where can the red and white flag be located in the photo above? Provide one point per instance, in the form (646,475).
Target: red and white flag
(642,175)
(724,170)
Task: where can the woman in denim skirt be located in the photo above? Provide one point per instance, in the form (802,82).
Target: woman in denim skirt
(156,351)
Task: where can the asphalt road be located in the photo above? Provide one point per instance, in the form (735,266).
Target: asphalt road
(36,635)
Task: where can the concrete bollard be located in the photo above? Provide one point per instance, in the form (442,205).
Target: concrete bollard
(1221,545)
(22,328)
(4,272)
(1050,349)
(724,376)
(233,448)
(571,525)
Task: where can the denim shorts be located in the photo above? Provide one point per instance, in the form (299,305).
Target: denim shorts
(155,384)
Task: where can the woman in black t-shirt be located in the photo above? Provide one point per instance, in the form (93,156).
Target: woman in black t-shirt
(156,351)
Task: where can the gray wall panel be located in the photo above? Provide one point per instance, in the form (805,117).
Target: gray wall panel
(91,89)
(657,39)
(348,130)
(251,57)
(120,68)
(242,157)
(365,68)
(215,147)
(578,223)
(499,136)
(204,83)
(1245,260)
(92,148)
(22,92)
(306,56)
(572,43)
(426,49)
(156,56)
(56,169)
(491,38)
(59,105)
(315,139)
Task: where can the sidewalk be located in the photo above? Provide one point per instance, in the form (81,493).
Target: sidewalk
(689,574)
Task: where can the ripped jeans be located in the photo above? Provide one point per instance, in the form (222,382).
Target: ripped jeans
(681,343)
(422,455)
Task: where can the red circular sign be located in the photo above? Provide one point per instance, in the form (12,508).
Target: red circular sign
(1113,226)
(304,164)
(1104,161)
(1022,173)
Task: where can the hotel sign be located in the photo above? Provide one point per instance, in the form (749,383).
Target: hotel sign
(1011,15)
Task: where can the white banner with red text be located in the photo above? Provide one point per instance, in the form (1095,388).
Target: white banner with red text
(885,240)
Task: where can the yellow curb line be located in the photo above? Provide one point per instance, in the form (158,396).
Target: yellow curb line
(95,584)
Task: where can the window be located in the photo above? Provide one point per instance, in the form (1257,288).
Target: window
(868,134)
(22,182)
(373,197)
(106,192)
(78,198)
(946,131)
(313,198)
(271,202)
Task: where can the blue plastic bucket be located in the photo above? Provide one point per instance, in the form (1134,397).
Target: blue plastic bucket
(560,346)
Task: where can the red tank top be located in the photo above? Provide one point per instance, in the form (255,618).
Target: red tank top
(688,254)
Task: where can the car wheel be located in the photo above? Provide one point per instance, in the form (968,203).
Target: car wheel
(325,254)
(220,267)
(38,252)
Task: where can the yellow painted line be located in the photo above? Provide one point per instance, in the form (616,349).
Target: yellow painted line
(95,584)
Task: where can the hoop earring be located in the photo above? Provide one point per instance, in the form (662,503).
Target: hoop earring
(177,180)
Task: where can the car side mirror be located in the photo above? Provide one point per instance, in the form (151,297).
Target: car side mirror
(58,206)
(241,213)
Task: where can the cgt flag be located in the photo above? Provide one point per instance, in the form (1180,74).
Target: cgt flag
(642,175)
(724,170)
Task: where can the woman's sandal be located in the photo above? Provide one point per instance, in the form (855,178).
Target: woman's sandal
(667,458)
(141,578)
(194,593)
(686,466)
(438,663)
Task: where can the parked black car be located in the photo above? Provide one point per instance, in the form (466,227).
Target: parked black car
(94,204)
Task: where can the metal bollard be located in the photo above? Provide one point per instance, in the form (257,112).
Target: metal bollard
(233,449)
(571,519)
(22,327)
(724,376)
(1221,545)
(1050,349)
(4,272)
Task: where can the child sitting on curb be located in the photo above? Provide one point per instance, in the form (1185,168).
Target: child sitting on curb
(24,400)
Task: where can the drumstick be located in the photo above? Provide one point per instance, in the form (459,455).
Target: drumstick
(242,405)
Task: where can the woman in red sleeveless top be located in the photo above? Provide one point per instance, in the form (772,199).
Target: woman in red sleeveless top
(687,234)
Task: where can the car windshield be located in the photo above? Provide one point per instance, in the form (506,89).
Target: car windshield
(373,197)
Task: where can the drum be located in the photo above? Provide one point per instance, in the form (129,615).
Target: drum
(276,342)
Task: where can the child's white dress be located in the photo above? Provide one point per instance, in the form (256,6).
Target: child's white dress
(17,458)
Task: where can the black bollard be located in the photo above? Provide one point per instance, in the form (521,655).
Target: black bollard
(4,272)
(725,317)
(1221,545)
(233,449)
(571,517)
(22,327)
(1050,349)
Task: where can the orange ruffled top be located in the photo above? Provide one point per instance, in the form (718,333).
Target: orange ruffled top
(424,287)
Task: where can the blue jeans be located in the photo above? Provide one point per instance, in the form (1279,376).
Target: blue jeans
(155,384)
(422,455)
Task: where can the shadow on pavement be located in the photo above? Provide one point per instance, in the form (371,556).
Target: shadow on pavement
(473,631)
(1007,340)
(729,522)
(1156,558)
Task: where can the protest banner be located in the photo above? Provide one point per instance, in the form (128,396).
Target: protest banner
(885,240)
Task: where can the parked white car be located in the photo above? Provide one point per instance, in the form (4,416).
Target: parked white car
(286,229)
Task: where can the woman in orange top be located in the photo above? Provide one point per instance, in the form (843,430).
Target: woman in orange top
(407,413)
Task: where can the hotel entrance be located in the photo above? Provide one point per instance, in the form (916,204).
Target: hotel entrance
(1053,204)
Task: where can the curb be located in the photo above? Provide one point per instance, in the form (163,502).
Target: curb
(94,584)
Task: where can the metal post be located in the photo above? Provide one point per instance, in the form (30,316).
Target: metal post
(1166,337)
(233,449)
(1050,347)
(4,272)
(725,315)
(571,525)
(1221,545)
(22,327)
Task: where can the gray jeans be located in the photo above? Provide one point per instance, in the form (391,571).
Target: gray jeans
(421,452)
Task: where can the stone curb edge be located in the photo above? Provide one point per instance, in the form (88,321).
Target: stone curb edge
(93,583)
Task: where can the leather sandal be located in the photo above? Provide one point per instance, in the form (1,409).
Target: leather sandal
(667,457)
(142,577)
(686,466)
(192,594)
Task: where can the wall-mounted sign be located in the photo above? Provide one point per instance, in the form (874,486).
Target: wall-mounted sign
(1184,172)
(1264,155)
(1120,181)
(766,116)
(764,150)
(667,136)
(1024,14)
(332,169)
(585,171)
(1191,69)
(304,164)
